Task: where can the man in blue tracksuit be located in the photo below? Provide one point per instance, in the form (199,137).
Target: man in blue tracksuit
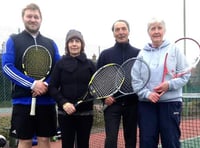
(44,123)
(125,107)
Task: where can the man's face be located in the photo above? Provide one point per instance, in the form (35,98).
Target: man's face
(121,32)
(32,20)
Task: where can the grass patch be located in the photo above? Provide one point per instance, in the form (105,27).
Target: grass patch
(5,104)
(5,125)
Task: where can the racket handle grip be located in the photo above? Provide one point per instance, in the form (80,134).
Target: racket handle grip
(104,107)
(33,105)
(77,103)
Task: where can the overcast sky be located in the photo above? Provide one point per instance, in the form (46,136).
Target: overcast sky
(94,19)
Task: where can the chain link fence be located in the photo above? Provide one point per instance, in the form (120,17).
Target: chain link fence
(5,89)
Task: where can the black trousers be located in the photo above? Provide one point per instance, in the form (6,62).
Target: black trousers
(75,125)
(112,116)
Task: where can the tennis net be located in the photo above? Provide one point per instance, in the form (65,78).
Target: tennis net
(190,125)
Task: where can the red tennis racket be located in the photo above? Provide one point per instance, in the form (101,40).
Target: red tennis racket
(188,47)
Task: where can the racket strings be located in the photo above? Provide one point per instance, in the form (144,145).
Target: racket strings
(140,73)
(107,81)
(136,70)
(191,49)
(37,62)
(126,86)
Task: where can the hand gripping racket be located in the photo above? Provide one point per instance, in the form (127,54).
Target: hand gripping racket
(137,75)
(105,82)
(188,59)
(36,63)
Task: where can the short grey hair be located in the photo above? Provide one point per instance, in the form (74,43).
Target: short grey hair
(155,20)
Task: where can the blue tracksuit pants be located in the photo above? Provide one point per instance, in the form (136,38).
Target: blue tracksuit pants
(159,120)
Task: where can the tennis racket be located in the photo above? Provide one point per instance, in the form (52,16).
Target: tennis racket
(137,75)
(134,65)
(188,47)
(105,82)
(36,63)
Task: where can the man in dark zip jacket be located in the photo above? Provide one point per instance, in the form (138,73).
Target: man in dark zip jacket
(126,106)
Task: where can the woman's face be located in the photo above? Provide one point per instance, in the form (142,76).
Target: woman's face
(74,46)
(156,32)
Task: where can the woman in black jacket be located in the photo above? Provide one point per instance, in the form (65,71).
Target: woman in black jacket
(69,82)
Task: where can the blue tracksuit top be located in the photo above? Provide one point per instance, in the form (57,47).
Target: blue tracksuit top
(12,66)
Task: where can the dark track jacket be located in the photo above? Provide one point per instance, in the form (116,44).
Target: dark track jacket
(119,53)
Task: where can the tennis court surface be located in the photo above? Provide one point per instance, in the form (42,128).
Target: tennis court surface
(190,126)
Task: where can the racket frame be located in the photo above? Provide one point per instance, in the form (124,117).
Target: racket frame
(131,92)
(92,91)
(184,71)
(147,80)
(198,59)
(188,70)
(33,100)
